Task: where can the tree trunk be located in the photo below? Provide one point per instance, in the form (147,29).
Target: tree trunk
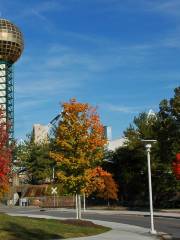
(84,202)
(78,206)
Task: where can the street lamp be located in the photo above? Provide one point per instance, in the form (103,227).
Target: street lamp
(148,145)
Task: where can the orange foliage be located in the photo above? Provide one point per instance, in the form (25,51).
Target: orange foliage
(102,182)
(79,144)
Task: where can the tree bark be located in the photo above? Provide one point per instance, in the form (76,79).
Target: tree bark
(78,206)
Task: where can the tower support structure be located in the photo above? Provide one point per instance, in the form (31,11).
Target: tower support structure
(11,48)
(7,95)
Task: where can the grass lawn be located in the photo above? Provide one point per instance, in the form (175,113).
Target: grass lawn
(24,228)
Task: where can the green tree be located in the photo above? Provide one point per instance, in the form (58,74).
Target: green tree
(130,164)
(129,169)
(168,127)
(33,159)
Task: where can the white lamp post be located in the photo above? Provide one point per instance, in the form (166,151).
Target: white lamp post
(148,145)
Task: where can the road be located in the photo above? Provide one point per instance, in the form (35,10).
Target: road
(162,224)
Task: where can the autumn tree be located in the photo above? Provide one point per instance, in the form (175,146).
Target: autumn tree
(5,156)
(79,145)
(101,183)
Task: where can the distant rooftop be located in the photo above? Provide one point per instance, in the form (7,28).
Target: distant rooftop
(114,144)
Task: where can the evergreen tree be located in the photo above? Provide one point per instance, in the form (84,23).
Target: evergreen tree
(130,162)
(33,159)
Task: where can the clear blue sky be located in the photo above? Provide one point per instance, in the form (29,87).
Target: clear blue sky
(120,55)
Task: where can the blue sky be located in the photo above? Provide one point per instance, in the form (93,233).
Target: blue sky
(120,55)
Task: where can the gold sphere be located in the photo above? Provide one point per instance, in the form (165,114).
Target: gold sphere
(11,41)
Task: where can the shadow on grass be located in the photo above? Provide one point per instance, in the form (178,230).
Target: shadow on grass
(18,232)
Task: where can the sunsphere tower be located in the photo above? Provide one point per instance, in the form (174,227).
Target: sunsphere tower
(11,47)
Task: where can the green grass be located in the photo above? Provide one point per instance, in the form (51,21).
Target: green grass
(24,228)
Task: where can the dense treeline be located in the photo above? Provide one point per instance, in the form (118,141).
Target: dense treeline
(129,164)
(75,151)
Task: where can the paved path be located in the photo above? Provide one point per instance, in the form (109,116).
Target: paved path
(119,231)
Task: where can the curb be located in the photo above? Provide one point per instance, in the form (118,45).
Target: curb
(145,214)
(164,236)
(161,216)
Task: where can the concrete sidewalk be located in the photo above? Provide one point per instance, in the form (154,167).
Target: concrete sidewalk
(119,231)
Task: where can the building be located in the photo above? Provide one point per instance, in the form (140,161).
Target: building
(11,47)
(112,145)
(116,143)
(40,133)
